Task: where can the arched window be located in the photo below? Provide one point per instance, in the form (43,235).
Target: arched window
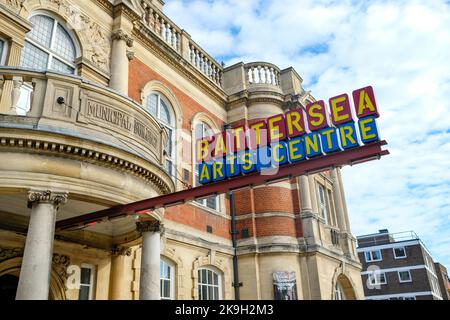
(338,292)
(209,284)
(202,130)
(167,280)
(159,107)
(49,46)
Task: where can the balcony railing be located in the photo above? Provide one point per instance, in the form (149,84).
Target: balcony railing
(262,73)
(181,42)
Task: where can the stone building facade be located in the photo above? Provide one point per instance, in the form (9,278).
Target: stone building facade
(101,103)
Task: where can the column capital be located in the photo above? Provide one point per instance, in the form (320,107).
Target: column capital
(121,251)
(149,226)
(121,35)
(46,196)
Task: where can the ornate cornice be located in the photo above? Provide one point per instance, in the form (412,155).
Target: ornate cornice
(106,5)
(88,155)
(46,196)
(122,9)
(145,36)
(121,251)
(149,226)
(121,35)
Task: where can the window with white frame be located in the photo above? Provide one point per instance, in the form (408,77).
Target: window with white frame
(323,203)
(202,130)
(410,298)
(338,292)
(372,256)
(87,282)
(399,253)
(158,106)
(209,284)
(2,51)
(49,46)
(167,280)
(404,276)
(376,278)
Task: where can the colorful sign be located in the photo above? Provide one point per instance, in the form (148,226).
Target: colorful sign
(299,135)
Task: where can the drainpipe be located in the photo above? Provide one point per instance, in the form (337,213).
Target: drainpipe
(236,283)
(234,232)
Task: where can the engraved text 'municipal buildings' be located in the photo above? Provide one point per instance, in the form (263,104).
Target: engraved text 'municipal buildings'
(100,104)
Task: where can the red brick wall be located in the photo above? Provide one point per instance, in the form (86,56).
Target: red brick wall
(140,74)
(268,199)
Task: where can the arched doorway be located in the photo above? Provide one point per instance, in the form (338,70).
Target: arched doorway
(343,289)
(9,279)
(8,287)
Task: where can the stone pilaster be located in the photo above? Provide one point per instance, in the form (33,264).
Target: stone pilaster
(34,280)
(149,284)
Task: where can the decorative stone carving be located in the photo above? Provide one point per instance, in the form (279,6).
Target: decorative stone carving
(120,251)
(60,263)
(120,35)
(130,55)
(149,226)
(9,253)
(56,198)
(15,5)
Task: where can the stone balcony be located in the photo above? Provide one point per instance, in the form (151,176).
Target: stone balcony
(52,112)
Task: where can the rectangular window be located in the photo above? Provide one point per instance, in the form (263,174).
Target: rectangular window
(404,276)
(372,256)
(399,253)
(323,206)
(2,49)
(377,278)
(410,298)
(86,282)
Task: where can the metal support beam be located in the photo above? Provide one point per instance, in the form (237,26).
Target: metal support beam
(357,155)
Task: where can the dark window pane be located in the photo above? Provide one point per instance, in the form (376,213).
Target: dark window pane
(166,292)
(85,276)
(210,293)
(84,293)
(216,293)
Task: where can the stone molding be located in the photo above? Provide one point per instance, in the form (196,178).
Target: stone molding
(47,196)
(61,149)
(121,35)
(9,253)
(149,226)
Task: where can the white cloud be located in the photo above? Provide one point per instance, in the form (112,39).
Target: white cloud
(402,48)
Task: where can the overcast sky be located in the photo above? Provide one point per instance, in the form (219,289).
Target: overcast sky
(401,48)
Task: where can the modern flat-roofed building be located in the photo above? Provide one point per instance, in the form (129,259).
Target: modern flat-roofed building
(397,266)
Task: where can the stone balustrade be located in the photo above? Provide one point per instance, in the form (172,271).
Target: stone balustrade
(262,73)
(162,26)
(182,43)
(205,63)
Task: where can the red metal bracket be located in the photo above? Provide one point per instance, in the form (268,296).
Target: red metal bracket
(357,155)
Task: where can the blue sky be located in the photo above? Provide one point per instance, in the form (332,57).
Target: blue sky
(401,48)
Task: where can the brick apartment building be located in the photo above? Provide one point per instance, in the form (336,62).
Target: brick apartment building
(399,267)
(101,103)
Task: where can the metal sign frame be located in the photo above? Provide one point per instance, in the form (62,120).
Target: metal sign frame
(368,152)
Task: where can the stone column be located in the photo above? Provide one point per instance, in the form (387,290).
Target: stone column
(344,203)
(34,280)
(305,195)
(118,285)
(310,218)
(149,284)
(340,214)
(119,61)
